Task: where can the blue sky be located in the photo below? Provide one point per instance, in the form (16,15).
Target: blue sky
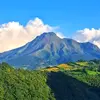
(70,15)
(77,19)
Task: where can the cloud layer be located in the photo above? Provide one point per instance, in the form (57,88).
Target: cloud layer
(13,35)
(88,35)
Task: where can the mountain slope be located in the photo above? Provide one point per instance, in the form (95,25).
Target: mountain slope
(49,50)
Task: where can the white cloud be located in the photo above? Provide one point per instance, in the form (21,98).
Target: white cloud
(13,34)
(88,35)
(59,34)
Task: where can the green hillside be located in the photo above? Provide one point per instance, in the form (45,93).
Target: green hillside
(72,81)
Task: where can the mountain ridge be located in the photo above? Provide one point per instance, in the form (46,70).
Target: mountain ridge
(49,50)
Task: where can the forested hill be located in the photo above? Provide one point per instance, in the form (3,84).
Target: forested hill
(72,81)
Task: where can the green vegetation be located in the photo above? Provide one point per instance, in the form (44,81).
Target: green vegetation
(72,81)
(19,84)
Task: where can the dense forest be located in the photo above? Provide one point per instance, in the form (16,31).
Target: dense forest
(71,81)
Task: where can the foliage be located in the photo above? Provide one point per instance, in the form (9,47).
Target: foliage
(71,81)
(19,84)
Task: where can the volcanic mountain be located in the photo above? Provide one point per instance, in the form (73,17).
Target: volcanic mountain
(49,50)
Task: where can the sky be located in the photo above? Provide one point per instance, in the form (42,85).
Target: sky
(77,19)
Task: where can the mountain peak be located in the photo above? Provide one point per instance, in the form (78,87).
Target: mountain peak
(49,34)
(49,50)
